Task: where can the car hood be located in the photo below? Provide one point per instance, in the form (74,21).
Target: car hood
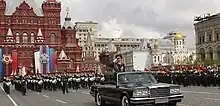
(150,85)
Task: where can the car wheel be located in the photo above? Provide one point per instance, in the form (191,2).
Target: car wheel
(124,101)
(99,100)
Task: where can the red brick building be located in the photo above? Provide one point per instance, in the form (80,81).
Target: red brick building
(24,27)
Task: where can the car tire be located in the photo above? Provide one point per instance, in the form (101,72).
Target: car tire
(99,100)
(124,101)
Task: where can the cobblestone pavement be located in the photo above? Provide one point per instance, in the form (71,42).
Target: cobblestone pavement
(194,96)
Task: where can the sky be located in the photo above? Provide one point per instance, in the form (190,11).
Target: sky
(140,18)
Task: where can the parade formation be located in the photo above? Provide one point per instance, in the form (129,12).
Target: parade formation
(47,63)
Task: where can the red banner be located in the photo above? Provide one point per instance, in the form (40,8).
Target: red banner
(14,62)
(54,60)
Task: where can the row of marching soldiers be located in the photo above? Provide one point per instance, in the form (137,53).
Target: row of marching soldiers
(190,77)
(54,82)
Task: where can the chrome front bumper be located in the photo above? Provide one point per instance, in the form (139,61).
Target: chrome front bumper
(172,98)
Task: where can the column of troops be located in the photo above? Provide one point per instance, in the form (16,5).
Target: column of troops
(52,82)
(206,76)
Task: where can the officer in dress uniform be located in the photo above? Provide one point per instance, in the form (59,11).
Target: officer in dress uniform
(86,81)
(102,77)
(54,83)
(39,84)
(82,80)
(74,81)
(91,80)
(78,80)
(59,86)
(64,81)
(218,77)
(118,66)
(70,79)
(6,85)
(23,86)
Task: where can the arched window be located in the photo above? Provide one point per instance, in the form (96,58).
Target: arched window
(17,37)
(52,38)
(32,37)
(155,59)
(25,38)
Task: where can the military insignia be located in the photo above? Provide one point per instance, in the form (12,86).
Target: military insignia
(44,58)
(7,59)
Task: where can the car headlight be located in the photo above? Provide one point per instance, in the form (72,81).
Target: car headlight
(175,90)
(141,93)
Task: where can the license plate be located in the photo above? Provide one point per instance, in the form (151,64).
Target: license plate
(161,100)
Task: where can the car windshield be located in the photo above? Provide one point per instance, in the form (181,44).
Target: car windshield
(137,78)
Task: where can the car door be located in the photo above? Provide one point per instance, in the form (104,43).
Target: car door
(102,90)
(114,92)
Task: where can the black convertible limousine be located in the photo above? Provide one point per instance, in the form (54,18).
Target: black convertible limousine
(135,89)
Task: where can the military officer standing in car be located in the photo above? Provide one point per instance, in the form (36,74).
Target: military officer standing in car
(118,66)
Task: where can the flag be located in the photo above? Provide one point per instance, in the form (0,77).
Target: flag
(1,65)
(41,70)
(37,62)
(14,62)
(51,52)
(48,63)
(54,60)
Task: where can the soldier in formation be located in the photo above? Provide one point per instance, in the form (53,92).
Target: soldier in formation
(192,77)
(53,82)
(20,84)
(6,84)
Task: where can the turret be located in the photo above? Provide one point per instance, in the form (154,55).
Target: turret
(68,32)
(51,7)
(2,10)
(89,52)
(40,38)
(9,37)
(179,41)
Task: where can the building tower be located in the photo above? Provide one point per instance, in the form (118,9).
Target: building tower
(89,63)
(179,41)
(2,10)
(70,44)
(51,11)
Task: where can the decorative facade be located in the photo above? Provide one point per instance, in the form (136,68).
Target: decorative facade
(171,50)
(89,59)
(25,28)
(208,38)
(125,44)
(82,29)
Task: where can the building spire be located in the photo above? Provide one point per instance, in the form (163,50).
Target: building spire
(68,24)
(40,37)
(67,15)
(9,37)
(63,55)
(67,12)
(89,39)
(9,32)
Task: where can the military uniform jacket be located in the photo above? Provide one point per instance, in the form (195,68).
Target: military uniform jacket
(118,67)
